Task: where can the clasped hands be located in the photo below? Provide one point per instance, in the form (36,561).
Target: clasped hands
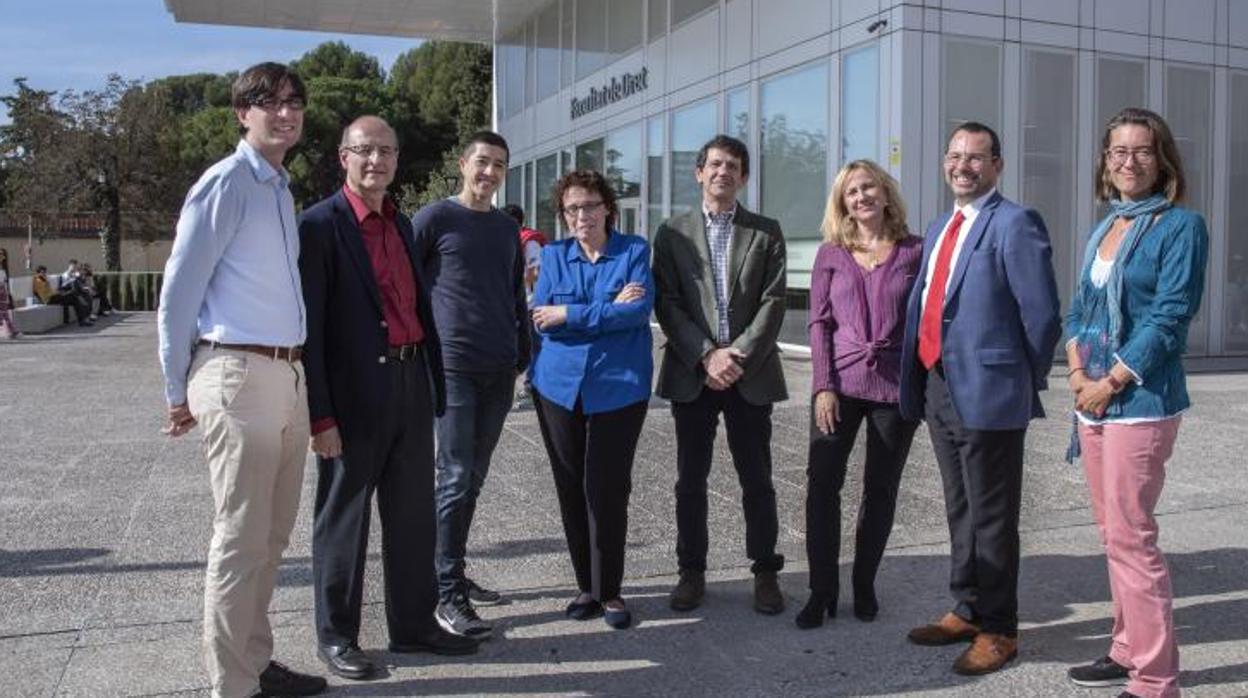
(1091,396)
(550,316)
(723,367)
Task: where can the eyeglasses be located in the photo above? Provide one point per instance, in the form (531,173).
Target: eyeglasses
(1119,156)
(975,160)
(383,152)
(274,105)
(591,208)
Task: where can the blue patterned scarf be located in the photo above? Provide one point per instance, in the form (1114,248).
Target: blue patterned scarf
(1141,214)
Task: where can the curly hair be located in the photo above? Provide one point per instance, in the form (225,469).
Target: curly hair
(840,228)
(588,180)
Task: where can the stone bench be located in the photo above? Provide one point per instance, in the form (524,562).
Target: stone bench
(37,319)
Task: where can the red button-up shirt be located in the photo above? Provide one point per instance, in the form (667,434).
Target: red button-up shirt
(392,268)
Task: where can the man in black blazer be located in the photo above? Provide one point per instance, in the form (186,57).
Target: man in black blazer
(720,276)
(375,382)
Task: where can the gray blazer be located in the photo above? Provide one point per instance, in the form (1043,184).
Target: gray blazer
(685,304)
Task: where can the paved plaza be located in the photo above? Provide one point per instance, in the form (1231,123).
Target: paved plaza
(104,524)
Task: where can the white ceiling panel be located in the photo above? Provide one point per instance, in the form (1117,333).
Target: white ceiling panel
(478,21)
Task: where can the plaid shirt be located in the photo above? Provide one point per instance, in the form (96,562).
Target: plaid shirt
(719,241)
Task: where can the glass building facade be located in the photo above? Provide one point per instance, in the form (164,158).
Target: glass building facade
(809,85)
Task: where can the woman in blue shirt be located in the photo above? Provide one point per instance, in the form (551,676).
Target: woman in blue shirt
(592,382)
(1143,275)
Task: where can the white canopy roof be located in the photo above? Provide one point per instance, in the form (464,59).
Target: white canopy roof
(479,21)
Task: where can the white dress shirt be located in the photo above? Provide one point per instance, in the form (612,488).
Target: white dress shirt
(233,274)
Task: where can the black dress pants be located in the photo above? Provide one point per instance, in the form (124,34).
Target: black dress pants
(395,460)
(748,428)
(982,472)
(591,456)
(888,444)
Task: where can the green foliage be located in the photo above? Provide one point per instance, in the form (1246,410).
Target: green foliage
(131,150)
(189,94)
(336,59)
(447,87)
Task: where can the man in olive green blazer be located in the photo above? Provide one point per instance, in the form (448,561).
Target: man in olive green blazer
(719,272)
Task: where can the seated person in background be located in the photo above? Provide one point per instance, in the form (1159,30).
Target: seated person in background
(95,292)
(42,288)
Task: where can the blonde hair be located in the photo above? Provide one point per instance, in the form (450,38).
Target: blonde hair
(841,229)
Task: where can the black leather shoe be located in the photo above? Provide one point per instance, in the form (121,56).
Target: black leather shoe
(347,661)
(278,680)
(437,641)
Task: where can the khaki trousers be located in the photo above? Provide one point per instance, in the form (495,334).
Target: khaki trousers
(253,413)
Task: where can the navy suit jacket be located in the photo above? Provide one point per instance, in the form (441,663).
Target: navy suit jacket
(1000,324)
(347,339)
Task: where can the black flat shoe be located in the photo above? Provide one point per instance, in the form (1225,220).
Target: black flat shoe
(583,610)
(347,661)
(618,618)
(811,616)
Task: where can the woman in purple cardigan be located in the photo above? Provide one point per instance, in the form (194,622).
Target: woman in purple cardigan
(858,290)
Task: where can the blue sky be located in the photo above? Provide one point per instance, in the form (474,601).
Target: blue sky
(59,44)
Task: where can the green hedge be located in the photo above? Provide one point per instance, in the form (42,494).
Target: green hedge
(132,290)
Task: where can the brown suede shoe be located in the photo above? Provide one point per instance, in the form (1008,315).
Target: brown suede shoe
(689,591)
(949,630)
(987,653)
(767,596)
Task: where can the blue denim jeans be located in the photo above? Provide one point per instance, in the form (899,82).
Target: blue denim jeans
(477,404)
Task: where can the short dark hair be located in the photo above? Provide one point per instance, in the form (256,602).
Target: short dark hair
(41,269)
(733,146)
(515,212)
(1170,179)
(486,138)
(264,80)
(977,127)
(590,180)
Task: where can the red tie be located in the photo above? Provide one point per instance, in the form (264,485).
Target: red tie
(929,324)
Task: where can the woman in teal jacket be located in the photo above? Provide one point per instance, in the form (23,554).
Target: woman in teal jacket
(1141,285)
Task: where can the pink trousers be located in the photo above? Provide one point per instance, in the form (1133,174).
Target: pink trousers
(1126,467)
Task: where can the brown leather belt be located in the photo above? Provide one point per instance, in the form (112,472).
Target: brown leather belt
(404,352)
(290,354)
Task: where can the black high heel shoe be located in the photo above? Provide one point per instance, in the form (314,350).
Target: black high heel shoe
(811,616)
(866,607)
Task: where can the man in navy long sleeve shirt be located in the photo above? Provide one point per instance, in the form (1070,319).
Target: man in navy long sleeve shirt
(471,259)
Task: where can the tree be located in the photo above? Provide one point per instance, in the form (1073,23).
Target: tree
(96,150)
(337,60)
(446,85)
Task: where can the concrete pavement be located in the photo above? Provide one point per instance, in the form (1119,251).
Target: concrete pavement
(105,522)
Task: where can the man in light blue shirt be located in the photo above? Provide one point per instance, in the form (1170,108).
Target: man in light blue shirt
(231,324)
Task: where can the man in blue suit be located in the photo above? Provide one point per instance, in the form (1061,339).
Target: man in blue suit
(375,383)
(981,328)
